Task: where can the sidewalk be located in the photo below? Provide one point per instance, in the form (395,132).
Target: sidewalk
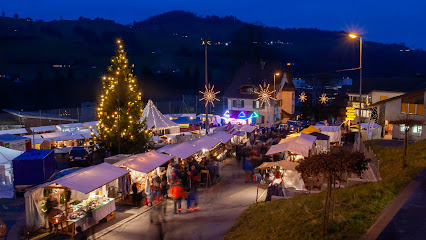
(405,217)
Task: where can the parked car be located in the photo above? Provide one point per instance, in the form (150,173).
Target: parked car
(79,157)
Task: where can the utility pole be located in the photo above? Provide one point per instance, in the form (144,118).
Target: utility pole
(205,43)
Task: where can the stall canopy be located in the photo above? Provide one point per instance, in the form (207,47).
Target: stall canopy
(44,128)
(310,129)
(287,165)
(147,162)
(91,124)
(205,142)
(247,128)
(187,120)
(182,150)
(299,145)
(90,178)
(6,171)
(37,139)
(68,137)
(34,166)
(333,131)
(116,158)
(155,119)
(222,136)
(14,131)
(71,125)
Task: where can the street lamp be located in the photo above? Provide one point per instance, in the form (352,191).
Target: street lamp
(355,36)
(275,74)
(206,43)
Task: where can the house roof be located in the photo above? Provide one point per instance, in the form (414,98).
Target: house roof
(11,138)
(409,94)
(393,84)
(253,75)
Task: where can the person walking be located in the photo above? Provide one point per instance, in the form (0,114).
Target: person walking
(248,168)
(177,192)
(192,198)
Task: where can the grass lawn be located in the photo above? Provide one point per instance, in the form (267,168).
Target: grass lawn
(356,208)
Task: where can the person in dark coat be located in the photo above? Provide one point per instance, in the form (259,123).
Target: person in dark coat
(51,203)
(135,194)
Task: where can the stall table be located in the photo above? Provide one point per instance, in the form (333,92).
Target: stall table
(98,214)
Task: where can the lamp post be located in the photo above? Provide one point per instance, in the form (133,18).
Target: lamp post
(275,74)
(206,43)
(352,35)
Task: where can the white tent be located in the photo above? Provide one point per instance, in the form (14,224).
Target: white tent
(247,128)
(300,145)
(291,177)
(44,128)
(156,120)
(14,131)
(205,142)
(116,158)
(83,181)
(222,136)
(6,171)
(147,162)
(333,132)
(182,150)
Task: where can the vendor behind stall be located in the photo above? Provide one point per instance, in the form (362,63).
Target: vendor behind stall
(51,203)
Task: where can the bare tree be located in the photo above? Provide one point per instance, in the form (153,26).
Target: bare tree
(407,122)
(332,166)
(16,16)
(3,14)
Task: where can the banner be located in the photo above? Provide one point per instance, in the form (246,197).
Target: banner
(370,129)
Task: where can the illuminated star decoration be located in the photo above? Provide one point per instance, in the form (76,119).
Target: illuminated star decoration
(303,97)
(209,95)
(323,99)
(265,95)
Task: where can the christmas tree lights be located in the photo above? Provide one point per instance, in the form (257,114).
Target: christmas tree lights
(119,104)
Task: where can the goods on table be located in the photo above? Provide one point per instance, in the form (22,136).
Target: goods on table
(80,210)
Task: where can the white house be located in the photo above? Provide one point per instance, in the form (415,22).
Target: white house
(410,105)
(243,106)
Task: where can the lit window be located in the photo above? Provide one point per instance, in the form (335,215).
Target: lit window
(417,130)
(402,127)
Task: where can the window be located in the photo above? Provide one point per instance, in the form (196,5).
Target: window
(257,105)
(417,130)
(383,98)
(237,103)
(412,108)
(292,95)
(402,127)
(420,109)
(279,103)
(404,107)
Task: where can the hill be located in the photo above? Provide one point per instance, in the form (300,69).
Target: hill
(59,63)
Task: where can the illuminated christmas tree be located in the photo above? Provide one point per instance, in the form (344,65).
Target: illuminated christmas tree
(120,108)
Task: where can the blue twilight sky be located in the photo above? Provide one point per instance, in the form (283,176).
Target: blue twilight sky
(387,21)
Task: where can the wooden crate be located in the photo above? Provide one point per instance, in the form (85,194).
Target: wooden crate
(110,217)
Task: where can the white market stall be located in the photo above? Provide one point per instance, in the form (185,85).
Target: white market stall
(157,121)
(333,132)
(289,176)
(299,146)
(86,191)
(6,171)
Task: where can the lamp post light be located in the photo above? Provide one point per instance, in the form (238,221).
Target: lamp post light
(354,36)
(275,74)
(206,42)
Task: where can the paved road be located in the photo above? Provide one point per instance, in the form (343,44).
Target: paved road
(218,212)
(410,221)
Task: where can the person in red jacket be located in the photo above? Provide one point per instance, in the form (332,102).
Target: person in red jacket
(177,193)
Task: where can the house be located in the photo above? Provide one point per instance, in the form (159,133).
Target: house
(411,105)
(243,105)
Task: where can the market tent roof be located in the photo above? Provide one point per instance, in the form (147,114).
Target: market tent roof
(91,124)
(187,120)
(68,137)
(182,150)
(37,139)
(287,165)
(156,138)
(205,142)
(44,128)
(299,145)
(63,150)
(320,136)
(14,131)
(54,134)
(222,136)
(116,158)
(247,128)
(11,138)
(310,129)
(7,155)
(88,179)
(155,119)
(163,149)
(328,128)
(147,162)
(71,125)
